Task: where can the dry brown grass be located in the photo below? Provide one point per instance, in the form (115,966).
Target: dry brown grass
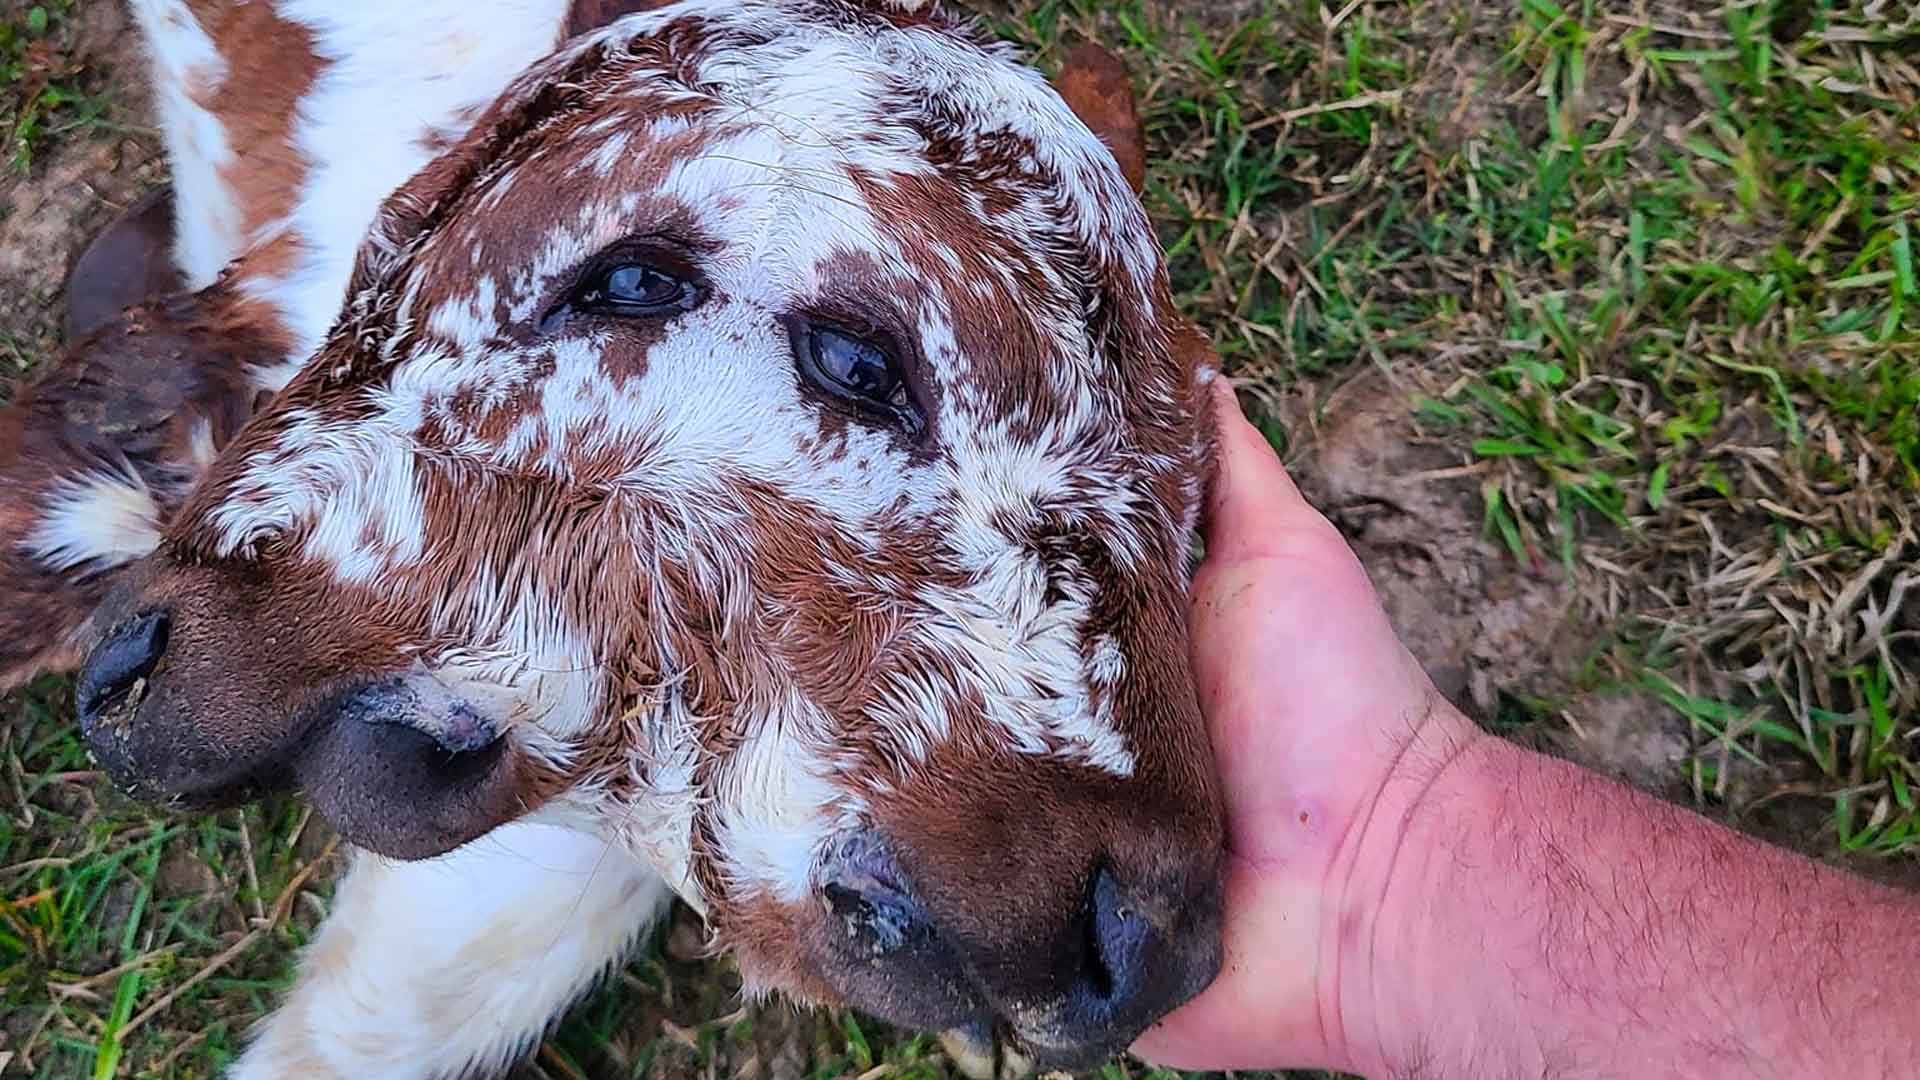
(1622,294)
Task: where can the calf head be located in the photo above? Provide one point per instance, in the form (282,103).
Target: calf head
(766,438)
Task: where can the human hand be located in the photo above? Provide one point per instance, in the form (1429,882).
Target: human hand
(1325,729)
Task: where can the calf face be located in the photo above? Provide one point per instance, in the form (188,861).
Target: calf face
(766,439)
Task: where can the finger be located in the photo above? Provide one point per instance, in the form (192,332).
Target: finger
(1259,1013)
(1246,457)
(1254,509)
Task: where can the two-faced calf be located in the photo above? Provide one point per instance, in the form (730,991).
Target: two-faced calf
(755,461)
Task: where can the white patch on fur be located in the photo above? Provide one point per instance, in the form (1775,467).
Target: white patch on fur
(201,451)
(1023,661)
(374,522)
(608,155)
(779,801)
(536,675)
(421,67)
(207,233)
(458,963)
(99,520)
(659,828)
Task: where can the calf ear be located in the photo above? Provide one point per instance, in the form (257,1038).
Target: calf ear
(99,450)
(1097,87)
(129,263)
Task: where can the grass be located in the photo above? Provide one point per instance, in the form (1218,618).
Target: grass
(44,92)
(1708,388)
(1643,274)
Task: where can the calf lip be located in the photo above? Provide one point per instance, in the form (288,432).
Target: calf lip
(152,759)
(1043,1058)
(197,791)
(392,779)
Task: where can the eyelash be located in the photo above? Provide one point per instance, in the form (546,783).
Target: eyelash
(853,368)
(592,292)
(819,347)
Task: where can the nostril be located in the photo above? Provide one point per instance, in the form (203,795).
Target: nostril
(1118,938)
(128,655)
(866,893)
(884,919)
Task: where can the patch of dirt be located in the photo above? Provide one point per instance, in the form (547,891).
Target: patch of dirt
(1408,509)
(79,182)
(1486,629)
(1465,90)
(1629,736)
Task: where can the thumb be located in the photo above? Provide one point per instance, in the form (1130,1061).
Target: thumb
(1254,510)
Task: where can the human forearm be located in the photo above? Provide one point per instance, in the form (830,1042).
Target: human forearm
(1409,896)
(1536,919)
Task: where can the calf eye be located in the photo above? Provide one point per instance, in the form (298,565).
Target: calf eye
(854,369)
(634,290)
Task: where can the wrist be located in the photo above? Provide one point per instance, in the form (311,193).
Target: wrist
(1383,948)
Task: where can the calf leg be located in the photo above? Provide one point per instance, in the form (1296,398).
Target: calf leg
(456,966)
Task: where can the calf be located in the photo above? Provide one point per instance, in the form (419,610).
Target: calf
(755,460)
(286,124)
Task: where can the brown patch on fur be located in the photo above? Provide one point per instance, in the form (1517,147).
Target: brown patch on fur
(1095,85)
(273,259)
(1012,362)
(270,66)
(780,945)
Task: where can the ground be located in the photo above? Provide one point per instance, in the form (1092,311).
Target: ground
(1595,326)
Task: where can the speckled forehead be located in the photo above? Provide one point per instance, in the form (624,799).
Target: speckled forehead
(957,200)
(981,168)
(762,209)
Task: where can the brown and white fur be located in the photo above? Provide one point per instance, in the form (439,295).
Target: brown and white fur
(286,124)
(557,613)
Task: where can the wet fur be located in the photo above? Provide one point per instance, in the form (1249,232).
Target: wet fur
(214,356)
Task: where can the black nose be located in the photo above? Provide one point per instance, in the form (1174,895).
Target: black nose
(872,903)
(1148,949)
(1134,944)
(1118,939)
(127,655)
(406,773)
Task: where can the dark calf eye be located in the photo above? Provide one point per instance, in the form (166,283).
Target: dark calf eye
(854,369)
(635,291)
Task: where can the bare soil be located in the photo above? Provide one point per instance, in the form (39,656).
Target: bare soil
(1491,633)
(77,185)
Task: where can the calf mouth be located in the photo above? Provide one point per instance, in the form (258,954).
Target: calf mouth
(394,770)
(996,1051)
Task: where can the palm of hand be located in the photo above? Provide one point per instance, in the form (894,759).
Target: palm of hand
(1311,700)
